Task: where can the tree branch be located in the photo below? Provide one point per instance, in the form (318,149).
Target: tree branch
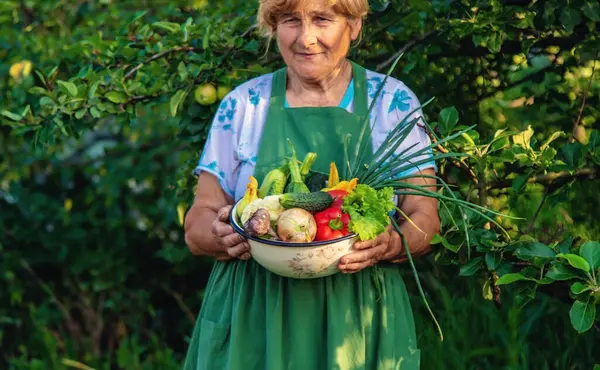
(160,55)
(585,95)
(72,326)
(539,208)
(582,173)
(409,45)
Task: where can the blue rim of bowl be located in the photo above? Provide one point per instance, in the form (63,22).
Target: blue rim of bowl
(279,243)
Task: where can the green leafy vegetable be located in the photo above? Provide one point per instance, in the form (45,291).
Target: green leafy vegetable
(369,210)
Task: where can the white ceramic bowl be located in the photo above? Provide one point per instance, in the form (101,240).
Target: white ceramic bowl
(297,260)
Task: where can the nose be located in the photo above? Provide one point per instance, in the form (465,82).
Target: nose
(307,37)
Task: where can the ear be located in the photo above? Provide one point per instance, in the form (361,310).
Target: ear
(355,27)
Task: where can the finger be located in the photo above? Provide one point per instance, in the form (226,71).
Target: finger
(231,240)
(364,245)
(356,267)
(395,248)
(238,250)
(223,215)
(364,255)
(222,229)
(223,257)
(246,256)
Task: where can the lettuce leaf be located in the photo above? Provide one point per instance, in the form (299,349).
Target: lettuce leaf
(369,210)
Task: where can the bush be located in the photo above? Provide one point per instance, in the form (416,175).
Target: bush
(101,130)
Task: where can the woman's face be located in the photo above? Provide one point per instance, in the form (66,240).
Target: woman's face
(314,40)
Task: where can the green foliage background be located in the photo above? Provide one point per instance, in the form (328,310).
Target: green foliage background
(98,142)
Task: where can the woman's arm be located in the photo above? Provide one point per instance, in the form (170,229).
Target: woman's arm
(423,212)
(207,229)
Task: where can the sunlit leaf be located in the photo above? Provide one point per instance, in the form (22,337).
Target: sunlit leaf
(575,261)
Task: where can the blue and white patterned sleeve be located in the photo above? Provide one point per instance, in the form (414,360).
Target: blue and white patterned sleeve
(404,101)
(394,106)
(219,156)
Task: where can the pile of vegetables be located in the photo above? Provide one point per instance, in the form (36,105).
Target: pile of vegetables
(285,208)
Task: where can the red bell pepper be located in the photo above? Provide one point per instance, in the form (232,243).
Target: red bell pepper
(332,223)
(338,198)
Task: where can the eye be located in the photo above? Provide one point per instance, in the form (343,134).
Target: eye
(290,20)
(322,19)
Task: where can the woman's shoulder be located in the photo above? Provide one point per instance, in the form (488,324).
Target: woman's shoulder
(253,90)
(395,94)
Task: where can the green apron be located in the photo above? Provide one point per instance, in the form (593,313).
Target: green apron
(253,319)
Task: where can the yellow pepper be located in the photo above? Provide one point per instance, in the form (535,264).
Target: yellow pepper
(334,176)
(347,186)
(250,195)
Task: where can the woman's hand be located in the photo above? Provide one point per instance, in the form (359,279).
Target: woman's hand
(386,246)
(231,244)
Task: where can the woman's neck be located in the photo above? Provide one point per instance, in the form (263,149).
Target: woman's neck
(327,91)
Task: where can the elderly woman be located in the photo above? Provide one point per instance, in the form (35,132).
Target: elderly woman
(250,317)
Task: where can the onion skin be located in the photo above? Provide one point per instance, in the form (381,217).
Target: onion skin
(296,225)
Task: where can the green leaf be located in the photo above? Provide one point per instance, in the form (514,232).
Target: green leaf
(92,90)
(535,249)
(520,181)
(471,267)
(170,27)
(582,315)
(554,136)
(80,113)
(117,97)
(572,153)
(590,251)
(575,261)
(12,116)
(182,71)
(579,287)
(69,87)
(449,246)
(448,120)
(594,140)
(176,100)
(45,100)
(511,278)
(495,40)
(36,90)
(560,272)
(524,138)
(591,9)
(493,259)
(41,76)
(569,18)
(61,126)
(437,239)
(95,112)
(565,245)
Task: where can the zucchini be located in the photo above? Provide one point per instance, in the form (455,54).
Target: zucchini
(316,201)
(274,182)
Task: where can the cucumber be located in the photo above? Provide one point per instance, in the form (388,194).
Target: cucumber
(312,202)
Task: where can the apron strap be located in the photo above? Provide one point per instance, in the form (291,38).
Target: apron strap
(278,88)
(360,90)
